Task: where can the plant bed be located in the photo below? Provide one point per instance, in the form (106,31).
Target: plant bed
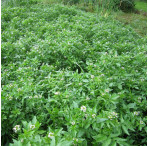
(71,78)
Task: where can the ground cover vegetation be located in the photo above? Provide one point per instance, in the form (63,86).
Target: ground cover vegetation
(132,13)
(71,78)
(141,5)
(94,5)
(137,21)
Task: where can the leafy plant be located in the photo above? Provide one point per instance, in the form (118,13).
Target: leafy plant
(71,77)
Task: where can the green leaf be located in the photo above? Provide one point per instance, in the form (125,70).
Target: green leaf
(85,80)
(99,120)
(100,138)
(111,84)
(107,142)
(136,88)
(65,143)
(125,129)
(115,135)
(100,98)
(94,126)
(114,143)
(41,131)
(16,143)
(130,127)
(25,124)
(118,64)
(120,86)
(34,120)
(53,142)
(59,132)
(119,139)
(123,143)
(81,132)
(131,105)
(87,125)
(51,100)
(122,120)
(114,97)
(75,105)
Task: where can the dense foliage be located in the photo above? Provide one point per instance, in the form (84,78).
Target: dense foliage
(144,0)
(71,78)
(103,5)
(125,5)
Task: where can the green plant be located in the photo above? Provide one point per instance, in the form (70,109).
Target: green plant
(18,2)
(71,1)
(141,6)
(81,78)
(125,5)
(31,135)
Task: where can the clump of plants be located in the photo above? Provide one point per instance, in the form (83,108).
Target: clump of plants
(94,5)
(124,5)
(71,78)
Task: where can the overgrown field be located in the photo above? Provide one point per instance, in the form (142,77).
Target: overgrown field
(138,22)
(71,78)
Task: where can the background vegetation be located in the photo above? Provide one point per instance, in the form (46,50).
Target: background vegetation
(140,5)
(135,18)
(125,5)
